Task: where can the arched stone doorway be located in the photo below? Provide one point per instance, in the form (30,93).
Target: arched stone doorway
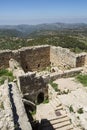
(40,97)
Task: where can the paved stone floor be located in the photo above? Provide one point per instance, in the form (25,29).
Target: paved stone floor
(57,111)
(53,117)
(75,99)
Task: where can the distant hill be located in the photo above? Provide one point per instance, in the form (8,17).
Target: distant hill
(72,36)
(26,30)
(10,33)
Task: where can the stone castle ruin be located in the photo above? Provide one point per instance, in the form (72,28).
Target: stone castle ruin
(29,59)
(40,57)
(27,63)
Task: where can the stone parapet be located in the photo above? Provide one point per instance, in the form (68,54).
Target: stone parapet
(66,73)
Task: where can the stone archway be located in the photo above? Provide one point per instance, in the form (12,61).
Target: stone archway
(40,97)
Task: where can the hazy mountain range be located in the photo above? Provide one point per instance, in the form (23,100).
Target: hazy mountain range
(26,30)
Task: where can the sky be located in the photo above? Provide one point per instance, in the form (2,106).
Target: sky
(13,12)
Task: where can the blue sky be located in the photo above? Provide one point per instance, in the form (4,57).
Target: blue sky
(42,11)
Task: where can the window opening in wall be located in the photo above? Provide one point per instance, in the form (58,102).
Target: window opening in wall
(38,65)
(26,67)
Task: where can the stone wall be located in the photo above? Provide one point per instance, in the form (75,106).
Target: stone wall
(16,68)
(5,56)
(39,57)
(62,57)
(30,58)
(31,85)
(67,73)
(81,59)
(12,111)
(35,58)
(86,60)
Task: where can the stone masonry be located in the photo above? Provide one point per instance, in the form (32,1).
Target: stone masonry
(30,58)
(31,85)
(62,57)
(39,57)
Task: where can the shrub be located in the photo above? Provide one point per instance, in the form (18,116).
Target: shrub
(80,110)
(65,91)
(71,108)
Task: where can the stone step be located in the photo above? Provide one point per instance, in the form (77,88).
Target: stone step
(68,127)
(58,101)
(62,124)
(54,122)
(55,105)
(58,108)
(59,120)
(59,117)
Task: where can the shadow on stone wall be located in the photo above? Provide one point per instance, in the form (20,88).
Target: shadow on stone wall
(45,125)
(15,115)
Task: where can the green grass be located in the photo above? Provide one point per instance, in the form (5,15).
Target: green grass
(5,74)
(82,79)
(2,79)
(33,112)
(46,101)
(54,85)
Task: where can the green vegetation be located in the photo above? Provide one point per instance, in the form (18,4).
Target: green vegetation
(54,85)
(82,79)
(65,92)
(80,110)
(33,112)
(78,117)
(71,108)
(1,105)
(46,101)
(2,79)
(5,74)
(74,39)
